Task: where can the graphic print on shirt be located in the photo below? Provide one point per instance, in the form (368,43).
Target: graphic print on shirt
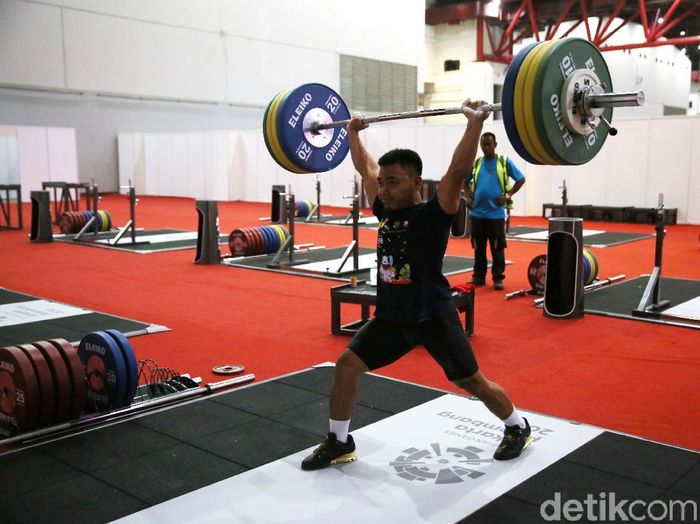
(392,247)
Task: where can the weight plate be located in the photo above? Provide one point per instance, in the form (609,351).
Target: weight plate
(272,238)
(61,380)
(105,370)
(570,55)
(132,366)
(280,235)
(528,96)
(266,239)
(257,241)
(267,126)
(519,107)
(64,223)
(313,152)
(19,393)
(586,269)
(593,263)
(186,381)
(237,243)
(228,369)
(507,104)
(76,374)
(46,388)
(109,220)
(273,139)
(537,272)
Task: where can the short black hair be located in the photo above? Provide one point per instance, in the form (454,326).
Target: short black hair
(406,158)
(487,134)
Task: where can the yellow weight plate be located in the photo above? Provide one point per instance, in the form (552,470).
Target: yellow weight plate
(272,138)
(527,101)
(518,108)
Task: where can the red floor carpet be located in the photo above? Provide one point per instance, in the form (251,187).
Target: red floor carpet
(631,376)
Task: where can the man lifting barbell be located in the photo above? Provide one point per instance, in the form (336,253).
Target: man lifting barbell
(413,297)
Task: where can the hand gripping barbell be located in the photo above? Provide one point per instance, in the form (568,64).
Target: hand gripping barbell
(555,97)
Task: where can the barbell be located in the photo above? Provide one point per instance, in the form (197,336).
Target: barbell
(556,95)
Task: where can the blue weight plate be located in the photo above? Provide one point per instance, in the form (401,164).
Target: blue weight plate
(586,270)
(266,239)
(507,107)
(105,370)
(132,366)
(274,239)
(270,239)
(313,152)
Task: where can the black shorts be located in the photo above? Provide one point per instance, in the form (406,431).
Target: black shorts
(380,342)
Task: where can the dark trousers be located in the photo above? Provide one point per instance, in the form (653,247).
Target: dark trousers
(494,232)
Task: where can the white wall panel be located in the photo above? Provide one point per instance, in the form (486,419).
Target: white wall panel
(259,70)
(31,44)
(693,207)
(63,154)
(173,165)
(33,158)
(669,159)
(626,163)
(110,54)
(139,182)
(332,25)
(151,165)
(202,14)
(195,165)
(125,155)
(216,174)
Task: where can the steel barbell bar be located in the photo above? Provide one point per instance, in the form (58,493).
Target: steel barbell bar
(628,99)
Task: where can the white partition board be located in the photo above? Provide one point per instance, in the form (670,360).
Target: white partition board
(432,463)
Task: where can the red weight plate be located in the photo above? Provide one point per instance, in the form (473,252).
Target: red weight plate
(76,371)
(237,243)
(46,387)
(19,392)
(61,380)
(64,223)
(258,241)
(252,241)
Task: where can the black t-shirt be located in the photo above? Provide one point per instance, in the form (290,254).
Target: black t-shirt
(411,244)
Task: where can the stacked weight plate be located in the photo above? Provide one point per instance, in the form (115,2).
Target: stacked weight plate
(249,241)
(41,384)
(73,221)
(590,267)
(286,123)
(538,102)
(303,208)
(111,370)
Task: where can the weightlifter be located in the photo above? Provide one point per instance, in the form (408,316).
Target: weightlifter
(413,298)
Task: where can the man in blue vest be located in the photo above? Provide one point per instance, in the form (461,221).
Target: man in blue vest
(488,196)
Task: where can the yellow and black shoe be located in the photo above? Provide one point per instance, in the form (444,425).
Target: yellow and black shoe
(515,440)
(330,452)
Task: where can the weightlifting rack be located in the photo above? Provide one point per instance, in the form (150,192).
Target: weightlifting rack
(131,224)
(651,305)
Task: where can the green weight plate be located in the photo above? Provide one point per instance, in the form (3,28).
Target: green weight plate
(565,58)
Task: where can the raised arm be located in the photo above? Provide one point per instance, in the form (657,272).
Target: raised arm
(362,160)
(450,186)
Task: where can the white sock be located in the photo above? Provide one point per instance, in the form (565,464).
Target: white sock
(340,428)
(514,419)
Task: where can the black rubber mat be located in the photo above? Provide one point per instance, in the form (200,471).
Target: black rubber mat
(124,244)
(71,328)
(604,239)
(451,264)
(116,470)
(618,300)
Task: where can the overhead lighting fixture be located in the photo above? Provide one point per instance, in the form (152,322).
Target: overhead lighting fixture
(661,20)
(682,33)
